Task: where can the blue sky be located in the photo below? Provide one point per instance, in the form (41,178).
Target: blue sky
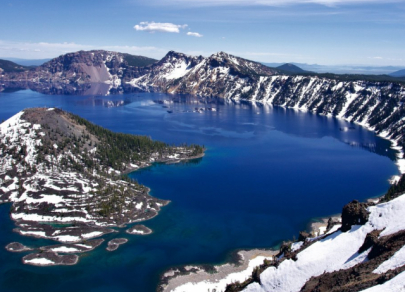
(329,32)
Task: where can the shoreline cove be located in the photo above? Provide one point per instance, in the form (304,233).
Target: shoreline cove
(190,275)
(400,161)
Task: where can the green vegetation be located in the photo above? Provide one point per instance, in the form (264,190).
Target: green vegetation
(339,77)
(112,199)
(355,77)
(9,66)
(113,150)
(395,190)
(117,149)
(138,61)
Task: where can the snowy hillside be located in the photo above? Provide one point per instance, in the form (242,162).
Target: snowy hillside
(376,105)
(56,167)
(367,254)
(82,67)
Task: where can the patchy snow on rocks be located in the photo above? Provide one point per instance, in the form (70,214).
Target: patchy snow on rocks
(328,253)
(396,284)
(52,173)
(220,285)
(396,261)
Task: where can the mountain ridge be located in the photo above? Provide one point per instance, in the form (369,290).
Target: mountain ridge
(96,66)
(399,73)
(378,105)
(7,66)
(27,62)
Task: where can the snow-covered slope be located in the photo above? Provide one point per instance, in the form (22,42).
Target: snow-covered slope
(82,67)
(56,167)
(376,105)
(369,257)
(218,75)
(337,251)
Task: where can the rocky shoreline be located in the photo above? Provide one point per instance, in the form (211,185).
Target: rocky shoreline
(45,259)
(17,247)
(217,278)
(239,270)
(65,180)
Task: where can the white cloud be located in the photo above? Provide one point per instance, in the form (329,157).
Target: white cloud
(195,34)
(42,50)
(159,26)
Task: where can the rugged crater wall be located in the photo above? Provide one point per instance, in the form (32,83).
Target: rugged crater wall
(376,105)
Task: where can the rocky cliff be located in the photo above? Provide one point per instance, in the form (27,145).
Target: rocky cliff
(82,67)
(375,104)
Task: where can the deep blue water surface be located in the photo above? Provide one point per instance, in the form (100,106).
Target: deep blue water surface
(267,172)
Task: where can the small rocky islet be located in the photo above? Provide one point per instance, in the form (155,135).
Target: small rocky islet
(65,178)
(115,243)
(139,229)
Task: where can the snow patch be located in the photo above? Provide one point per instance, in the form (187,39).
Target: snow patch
(396,261)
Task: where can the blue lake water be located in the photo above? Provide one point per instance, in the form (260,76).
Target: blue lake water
(267,172)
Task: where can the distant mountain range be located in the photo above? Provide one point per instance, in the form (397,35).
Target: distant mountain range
(399,73)
(291,68)
(343,69)
(373,101)
(27,62)
(79,67)
(8,66)
(394,71)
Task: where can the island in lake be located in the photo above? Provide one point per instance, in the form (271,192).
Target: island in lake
(65,178)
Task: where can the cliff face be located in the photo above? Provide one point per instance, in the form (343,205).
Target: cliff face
(82,67)
(377,105)
(219,75)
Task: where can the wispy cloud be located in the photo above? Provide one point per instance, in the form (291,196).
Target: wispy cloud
(268,2)
(159,27)
(265,54)
(41,50)
(195,34)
